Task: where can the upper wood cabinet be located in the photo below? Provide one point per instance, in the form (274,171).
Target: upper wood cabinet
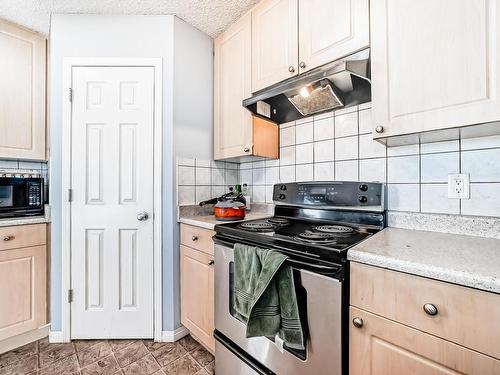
(232,84)
(22,93)
(274,42)
(434,64)
(234,129)
(331,29)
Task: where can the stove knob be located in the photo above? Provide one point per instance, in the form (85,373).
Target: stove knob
(363,187)
(363,199)
(282,196)
(283,187)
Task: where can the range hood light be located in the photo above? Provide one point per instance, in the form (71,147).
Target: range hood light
(306,91)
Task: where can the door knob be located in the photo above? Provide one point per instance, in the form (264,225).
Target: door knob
(8,238)
(302,65)
(142,216)
(291,69)
(211,262)
(246,149)
(379,129)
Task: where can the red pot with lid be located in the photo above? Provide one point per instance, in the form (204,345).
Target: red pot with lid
(228,207)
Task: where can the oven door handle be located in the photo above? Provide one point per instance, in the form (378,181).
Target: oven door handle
(319,267)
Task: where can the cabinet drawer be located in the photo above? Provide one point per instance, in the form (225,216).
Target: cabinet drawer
(383,347)
(22,236)
(197,238)
(465,316)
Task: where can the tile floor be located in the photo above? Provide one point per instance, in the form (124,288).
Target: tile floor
(113,357)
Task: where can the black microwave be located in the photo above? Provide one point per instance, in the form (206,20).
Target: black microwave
(21,196)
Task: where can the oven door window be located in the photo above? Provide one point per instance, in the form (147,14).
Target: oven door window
(301,300)
(6,196)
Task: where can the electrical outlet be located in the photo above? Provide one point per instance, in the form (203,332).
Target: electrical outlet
(458,186)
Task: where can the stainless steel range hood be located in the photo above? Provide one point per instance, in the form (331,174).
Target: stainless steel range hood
(342,83)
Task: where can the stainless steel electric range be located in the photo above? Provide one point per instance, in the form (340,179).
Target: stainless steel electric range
(314,224)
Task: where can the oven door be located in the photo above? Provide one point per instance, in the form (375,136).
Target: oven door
(321,299)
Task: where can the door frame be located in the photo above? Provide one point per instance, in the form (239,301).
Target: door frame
(68,65)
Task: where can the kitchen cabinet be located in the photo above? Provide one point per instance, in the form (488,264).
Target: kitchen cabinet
(274,42)
(235,131)
(330,30)
(197,283)
(433,65)
(401,323)
(383,347)
(22,279)
(22,93)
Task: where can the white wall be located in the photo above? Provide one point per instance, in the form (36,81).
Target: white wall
(129,36)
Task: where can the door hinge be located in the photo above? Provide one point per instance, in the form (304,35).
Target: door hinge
(70,295)
(70,195)
(70,94)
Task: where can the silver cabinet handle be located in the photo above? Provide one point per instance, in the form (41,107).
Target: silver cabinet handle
(357,322)
(8,238)
(211,262)
(379,129)
(291,69)
(246,149)
(194,238)
(142,216)
(302,65)
(430,309)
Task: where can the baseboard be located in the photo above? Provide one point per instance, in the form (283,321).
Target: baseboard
(172,336)
(56,337)
(23,339)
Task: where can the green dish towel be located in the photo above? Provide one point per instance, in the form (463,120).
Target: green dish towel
(264,295)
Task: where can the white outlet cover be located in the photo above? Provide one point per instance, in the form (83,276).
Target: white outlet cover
(459,186)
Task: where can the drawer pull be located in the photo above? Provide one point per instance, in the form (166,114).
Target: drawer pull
(211,262)
(8,238)
(357,322)
(430,309)
(194,238)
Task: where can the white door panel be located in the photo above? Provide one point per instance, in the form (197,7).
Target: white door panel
(112,182)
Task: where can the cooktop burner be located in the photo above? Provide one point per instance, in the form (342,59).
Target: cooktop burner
(258,226)
(279,220)
(315,237)
(334,229)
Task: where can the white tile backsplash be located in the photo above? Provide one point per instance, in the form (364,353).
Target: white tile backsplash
(186,175)
(482,165)
(346,148)
(436,167)
(404,169)
(304,153)
(434,199)
(346,125)
(339,146)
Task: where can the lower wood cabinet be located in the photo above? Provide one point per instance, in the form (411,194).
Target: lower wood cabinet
(406,324)
(383,347)
(22,279)
(197,290)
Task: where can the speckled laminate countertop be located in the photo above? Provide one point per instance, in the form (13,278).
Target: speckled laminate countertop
(465,260)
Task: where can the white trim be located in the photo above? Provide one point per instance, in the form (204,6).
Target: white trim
(172,336)
(17,341)
(56,337)
(68,64)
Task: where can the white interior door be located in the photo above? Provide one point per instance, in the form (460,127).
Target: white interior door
(112,185)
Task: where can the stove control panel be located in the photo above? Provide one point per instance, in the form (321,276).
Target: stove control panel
(334,195)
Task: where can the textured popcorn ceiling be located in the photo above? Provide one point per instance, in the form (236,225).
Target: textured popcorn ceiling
(210,16)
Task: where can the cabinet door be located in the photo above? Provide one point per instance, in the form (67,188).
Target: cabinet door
(274,42)
(22,93)
(331,29)
(197,294)
(22,290)
(232,84)
(434,64)
(383,347)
